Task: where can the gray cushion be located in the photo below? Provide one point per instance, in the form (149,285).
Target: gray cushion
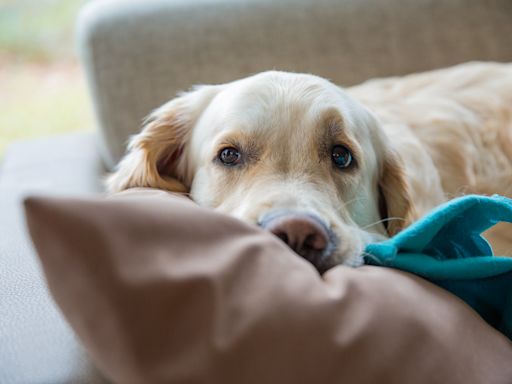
(58,164)
(138,54)
(36,344)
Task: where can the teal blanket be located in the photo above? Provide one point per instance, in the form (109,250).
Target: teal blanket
(446,248)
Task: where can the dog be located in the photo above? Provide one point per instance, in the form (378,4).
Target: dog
(327,169)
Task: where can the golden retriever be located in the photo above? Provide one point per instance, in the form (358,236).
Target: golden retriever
(329,169)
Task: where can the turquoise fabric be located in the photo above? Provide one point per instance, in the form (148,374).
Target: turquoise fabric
(446,248)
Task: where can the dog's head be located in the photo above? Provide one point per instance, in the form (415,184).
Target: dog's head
(292,153)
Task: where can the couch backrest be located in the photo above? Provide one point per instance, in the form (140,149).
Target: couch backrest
(138,54)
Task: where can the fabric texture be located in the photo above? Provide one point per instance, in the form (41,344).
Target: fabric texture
(37,345)
(160,290)
(446,248)
(139,54)
(69,163)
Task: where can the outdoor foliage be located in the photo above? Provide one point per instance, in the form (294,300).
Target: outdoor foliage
(42,87)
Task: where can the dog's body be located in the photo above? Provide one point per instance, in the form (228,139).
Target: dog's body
(312,164)
(453,128)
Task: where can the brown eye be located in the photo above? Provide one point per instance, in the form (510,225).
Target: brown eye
(229,156)
(341,156)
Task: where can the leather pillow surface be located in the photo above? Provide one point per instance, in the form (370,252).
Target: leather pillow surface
(160,290)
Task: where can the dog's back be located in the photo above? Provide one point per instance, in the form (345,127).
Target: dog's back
(461,115)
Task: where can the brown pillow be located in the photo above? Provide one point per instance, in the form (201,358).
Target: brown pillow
(162,291)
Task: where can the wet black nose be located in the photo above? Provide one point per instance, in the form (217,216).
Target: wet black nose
(304,233)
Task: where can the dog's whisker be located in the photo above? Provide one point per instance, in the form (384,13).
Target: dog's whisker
(383,221)
(354,200)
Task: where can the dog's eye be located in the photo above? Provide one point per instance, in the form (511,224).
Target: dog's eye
(341,156)
(229,156)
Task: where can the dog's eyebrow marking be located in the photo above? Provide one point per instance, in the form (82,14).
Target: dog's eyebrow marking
(332,123)
(229,142)
(335,124)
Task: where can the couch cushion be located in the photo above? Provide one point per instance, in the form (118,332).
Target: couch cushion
(162,291)
(68,163)
(36,344)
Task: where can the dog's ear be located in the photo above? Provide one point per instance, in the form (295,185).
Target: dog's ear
(396,205)
(154,157)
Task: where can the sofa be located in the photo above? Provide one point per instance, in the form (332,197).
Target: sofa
(136,55)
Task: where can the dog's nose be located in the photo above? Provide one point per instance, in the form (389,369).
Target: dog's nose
(304,233)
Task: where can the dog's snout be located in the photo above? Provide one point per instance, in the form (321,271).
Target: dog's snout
(304,233)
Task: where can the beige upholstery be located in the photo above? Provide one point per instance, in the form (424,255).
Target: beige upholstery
(67,164)
(138,54)
(229,303)
(36,344)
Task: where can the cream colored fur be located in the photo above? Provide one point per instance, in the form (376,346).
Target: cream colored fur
(453,128)
(417,141)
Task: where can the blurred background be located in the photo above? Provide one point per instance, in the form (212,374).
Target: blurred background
(42,90)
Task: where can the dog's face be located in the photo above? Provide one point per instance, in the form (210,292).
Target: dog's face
(292,153)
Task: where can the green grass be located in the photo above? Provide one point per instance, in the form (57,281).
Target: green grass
(42,90)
